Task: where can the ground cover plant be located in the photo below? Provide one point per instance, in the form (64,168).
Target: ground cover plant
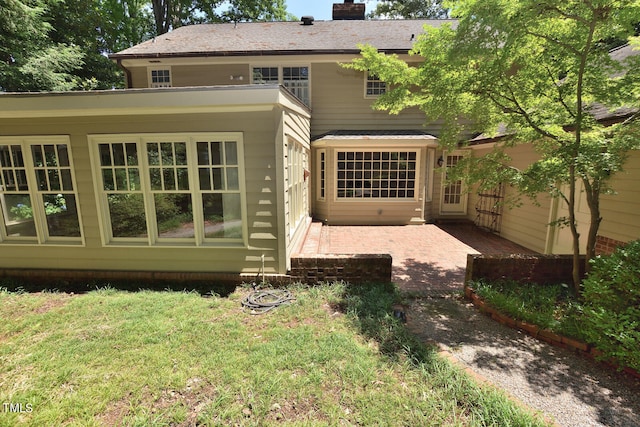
(550,306)
(334,356)
(607,314)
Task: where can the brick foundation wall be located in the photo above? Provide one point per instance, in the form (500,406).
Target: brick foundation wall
(87,280)
(605,245)
(359,268)
(522,268)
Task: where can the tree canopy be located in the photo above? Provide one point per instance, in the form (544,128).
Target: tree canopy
(410,9)
(53,45)
(537,69)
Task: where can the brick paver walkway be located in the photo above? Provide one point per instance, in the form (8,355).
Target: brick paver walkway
(427,259)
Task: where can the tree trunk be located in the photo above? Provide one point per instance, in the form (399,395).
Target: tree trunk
(575,272)
(161,15)
(593,201)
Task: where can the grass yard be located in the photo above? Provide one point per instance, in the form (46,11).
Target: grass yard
(333,357)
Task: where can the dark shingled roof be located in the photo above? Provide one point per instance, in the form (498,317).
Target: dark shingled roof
(260,38)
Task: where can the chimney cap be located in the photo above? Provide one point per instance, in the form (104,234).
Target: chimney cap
(307,20)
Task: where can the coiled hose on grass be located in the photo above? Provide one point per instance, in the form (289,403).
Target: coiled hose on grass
(260,302)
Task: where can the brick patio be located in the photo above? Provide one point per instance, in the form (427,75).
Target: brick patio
(427,259)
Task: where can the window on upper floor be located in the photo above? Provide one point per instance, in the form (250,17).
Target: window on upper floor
(374,87)
(38,196)
(159,77)
(170,189)
(296,79)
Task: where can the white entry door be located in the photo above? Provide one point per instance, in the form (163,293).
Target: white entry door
(454,198)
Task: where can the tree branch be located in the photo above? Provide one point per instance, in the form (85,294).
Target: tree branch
(560,97)
(555,41)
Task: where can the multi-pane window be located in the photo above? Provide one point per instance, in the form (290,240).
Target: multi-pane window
(219,181)
(169,180)
(37,191)
(376,174)
(159,189)
(452,193)
(265,75)
(120,173)
(374,86)
(160,77)
(296,79)
(322,178)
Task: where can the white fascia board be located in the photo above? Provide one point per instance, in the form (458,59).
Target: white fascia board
(249,59)
(146,101)
(382,143)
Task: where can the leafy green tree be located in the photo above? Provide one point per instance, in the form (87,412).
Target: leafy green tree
(169,14)
(536,68)
(410,9)
(124,23)
(29,59)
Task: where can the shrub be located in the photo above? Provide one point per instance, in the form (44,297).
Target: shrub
(611,295)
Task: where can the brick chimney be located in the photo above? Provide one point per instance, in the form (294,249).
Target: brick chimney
(348,11)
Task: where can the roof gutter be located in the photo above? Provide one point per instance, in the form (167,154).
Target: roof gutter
(119,57)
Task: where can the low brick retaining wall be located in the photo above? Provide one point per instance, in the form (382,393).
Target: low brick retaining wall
(545,335)
(356,268)
(534,268)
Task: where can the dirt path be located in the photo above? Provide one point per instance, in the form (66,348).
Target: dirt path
(572,390)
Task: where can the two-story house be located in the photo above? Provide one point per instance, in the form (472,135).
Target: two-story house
(225,143)
(204,163)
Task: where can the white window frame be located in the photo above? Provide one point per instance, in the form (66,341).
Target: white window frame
(35,194)
(321,185)
(374,85)
(363,170)
(152,84)
(153,238)
(460,189)
(281,80)
(297,156)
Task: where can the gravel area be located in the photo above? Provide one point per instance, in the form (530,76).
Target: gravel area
(568,388)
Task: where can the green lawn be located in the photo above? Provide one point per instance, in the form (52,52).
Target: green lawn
(333,357)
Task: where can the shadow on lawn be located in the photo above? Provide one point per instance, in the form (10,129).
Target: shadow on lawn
(79,286)
(371,308)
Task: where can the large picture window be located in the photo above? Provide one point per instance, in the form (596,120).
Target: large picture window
(376,174)
(38,200)
(296,79)
(171,189)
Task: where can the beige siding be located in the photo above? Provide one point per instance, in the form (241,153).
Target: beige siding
(261,191)
(139,77)
(527,224)
(296,130)
(196,75)
(338,102)
(620,211)
(208,75)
